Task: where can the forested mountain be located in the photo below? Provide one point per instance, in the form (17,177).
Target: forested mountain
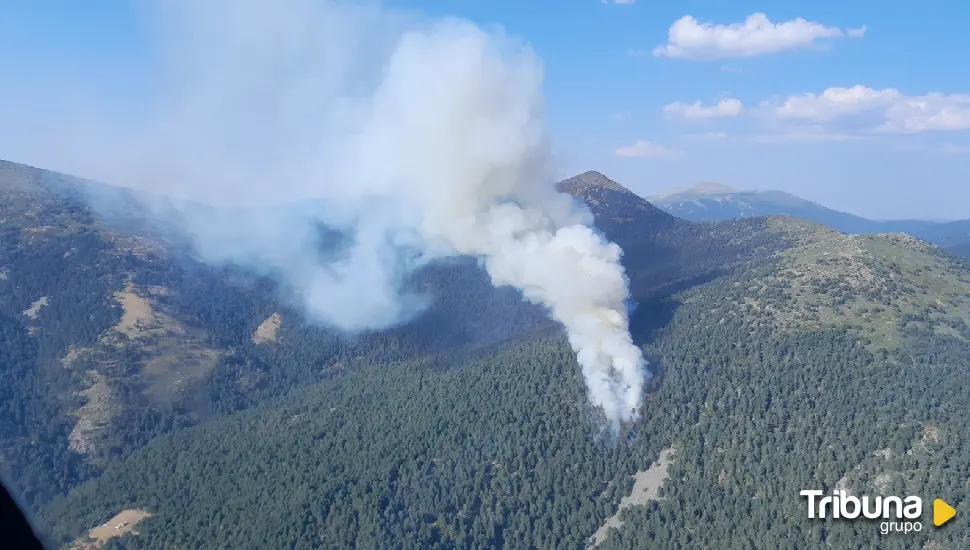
(788,356)
(112,338)
(707,202)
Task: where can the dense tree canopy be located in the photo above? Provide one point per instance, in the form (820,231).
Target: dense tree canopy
(786,358)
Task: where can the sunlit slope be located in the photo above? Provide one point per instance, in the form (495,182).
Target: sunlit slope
(814,360)
(886,287)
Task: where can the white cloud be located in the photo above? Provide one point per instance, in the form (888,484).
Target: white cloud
(857,33)
(619,1)
(725,108)
(833,103)
(690,39)
(840,114)
(927,113)
(644,148)
(897,112)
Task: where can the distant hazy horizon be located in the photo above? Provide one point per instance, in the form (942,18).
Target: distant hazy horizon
(650,197)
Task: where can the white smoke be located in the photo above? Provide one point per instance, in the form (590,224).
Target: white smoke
(422,139)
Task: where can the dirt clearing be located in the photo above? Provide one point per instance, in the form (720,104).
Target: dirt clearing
(136,310)
(266,331)
(34,308)
(124,522)
(646,487)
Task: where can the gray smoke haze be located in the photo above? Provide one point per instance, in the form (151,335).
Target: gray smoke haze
(420,139)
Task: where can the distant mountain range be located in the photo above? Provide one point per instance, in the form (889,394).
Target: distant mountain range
(710,201)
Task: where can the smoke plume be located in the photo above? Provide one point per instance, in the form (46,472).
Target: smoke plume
(420,139)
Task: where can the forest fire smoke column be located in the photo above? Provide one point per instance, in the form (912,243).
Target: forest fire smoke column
(418,139)
(480,189)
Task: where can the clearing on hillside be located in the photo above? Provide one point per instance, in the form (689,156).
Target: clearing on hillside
(136,311)
(34,308)
(266,331)
(646,487)
(124,522)
(93,416)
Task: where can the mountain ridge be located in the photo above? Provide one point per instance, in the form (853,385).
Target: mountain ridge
(697,189)
(722,205)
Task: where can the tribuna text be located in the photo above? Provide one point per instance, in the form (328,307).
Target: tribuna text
(842,505)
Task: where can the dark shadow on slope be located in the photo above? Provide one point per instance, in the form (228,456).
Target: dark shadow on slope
(655,311)
(651,315)
(456,357)
(465,309)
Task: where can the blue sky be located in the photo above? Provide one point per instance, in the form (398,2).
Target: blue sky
(861,106)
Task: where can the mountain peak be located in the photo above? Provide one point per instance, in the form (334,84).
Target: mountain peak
(699,189)
(581,184)
(711,187)
(613,204)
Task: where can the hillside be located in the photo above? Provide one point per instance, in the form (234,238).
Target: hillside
(887,287)
(788,356)
(116,334)
(111,337)
(707,202)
